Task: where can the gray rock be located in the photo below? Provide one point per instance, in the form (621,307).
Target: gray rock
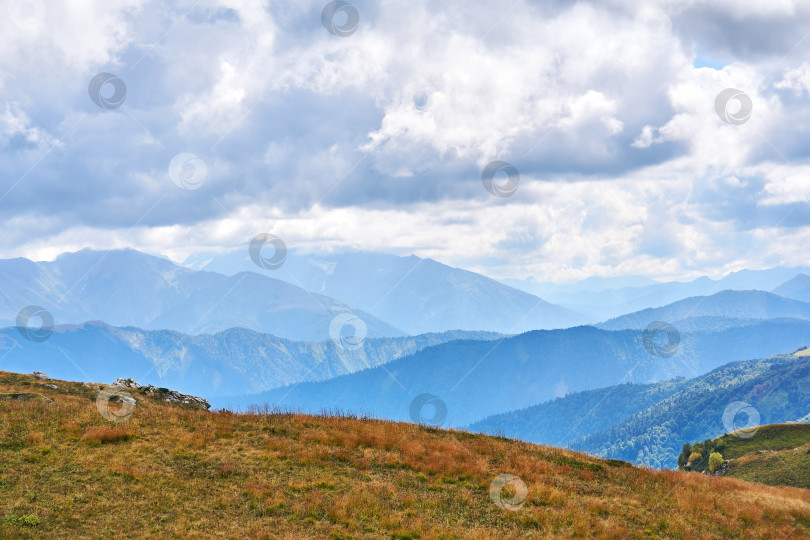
(171,396)
(127,383)
(51,386)
(40,375)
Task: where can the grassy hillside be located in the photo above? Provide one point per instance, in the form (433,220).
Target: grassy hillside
(172,471)
(776,454)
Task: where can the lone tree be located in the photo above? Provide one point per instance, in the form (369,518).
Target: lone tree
(715,461)
(683,458)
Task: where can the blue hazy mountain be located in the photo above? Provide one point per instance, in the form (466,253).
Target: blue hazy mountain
(411,293)
(648,423)
(565,419)
(130,288)
(604,298)
(797,288)
(733,304)
(477,379)
(234,361)
(774,390)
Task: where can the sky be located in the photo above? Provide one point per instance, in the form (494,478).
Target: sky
(664,139)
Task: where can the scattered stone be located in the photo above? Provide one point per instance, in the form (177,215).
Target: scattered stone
(40,375)
(723,469)
(127,383)
(170,396)
(51,386)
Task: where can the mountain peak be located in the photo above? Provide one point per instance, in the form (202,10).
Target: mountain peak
(728,303)
(797,288)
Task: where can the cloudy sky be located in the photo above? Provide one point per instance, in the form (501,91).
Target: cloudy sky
(188,127)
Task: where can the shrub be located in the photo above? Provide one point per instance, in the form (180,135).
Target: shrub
(105,434)
(27,520)
(715,461)
(694,457)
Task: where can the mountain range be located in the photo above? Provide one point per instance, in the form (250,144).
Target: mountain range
(560,421)
(737,304)
(421,295)
(402,296)
(391,295)
(130,288)
(797,288)
(774,390)
(233,361)
(414,294)
(605,298)
(472,379)
(648,424)
(482,354)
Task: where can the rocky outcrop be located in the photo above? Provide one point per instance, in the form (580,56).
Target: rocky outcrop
(171,396)
(127,383)
(40,375)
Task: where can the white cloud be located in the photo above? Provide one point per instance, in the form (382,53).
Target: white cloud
(376,140)
(14,122)
(785,184)
(797,79)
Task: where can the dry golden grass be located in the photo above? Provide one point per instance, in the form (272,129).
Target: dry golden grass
(108,434)
(180,473)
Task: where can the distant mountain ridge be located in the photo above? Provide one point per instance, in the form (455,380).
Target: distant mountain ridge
(648,424)
(605,298)
(475,380)
(392,295)
(797,288)
(414,294)
(574,416)
(734,304)
(233,361)
(130,288)
(777,388)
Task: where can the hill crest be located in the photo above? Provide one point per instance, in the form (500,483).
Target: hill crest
(173,471)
